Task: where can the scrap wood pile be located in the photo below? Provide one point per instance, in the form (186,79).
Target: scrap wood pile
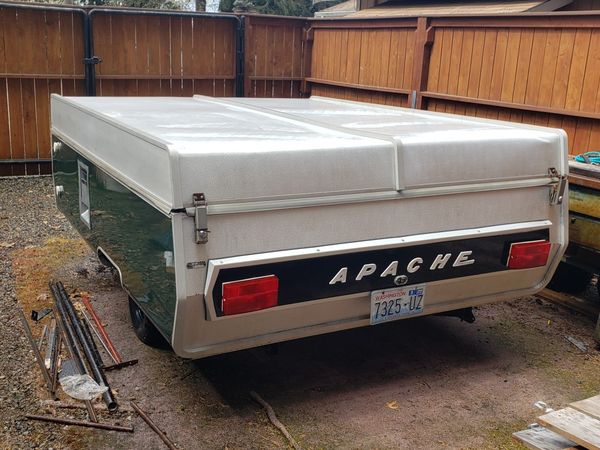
(575,427)
(73,361)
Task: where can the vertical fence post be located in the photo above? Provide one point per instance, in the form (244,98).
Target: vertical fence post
(248,53)
(88,60)
(423,41)
(308,38)
(240,32)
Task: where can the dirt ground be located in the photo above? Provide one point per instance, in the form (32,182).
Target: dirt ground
(425,383)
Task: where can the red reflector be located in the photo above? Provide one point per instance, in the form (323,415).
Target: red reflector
(250,295)
(525,255)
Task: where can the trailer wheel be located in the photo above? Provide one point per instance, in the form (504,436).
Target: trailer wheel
(144,329)
(570,279)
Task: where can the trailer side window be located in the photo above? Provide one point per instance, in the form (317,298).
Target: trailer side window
(84,193)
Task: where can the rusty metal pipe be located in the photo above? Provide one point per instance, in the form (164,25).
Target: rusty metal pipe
(151,424)
(112,350)
(81,423)
(91,326)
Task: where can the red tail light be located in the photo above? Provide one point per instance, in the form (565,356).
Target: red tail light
(248,295)
(525,255)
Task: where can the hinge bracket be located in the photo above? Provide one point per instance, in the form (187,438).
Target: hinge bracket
(557,189)
(92,61)
(200,219)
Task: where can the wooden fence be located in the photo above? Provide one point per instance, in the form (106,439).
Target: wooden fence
(542,69)
(40,53)
(274,55)
(534,68)
(163,54)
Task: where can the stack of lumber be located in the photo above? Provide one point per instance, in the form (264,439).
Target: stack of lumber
(575,427)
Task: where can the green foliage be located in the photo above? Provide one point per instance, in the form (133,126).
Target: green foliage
(156,4)
(301,8)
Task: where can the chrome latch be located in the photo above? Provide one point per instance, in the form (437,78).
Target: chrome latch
(557,189)
(200,219)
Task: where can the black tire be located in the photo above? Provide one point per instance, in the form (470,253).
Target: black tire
(570,279)
(144,329)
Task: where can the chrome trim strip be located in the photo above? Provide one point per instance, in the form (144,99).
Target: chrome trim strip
(270,205)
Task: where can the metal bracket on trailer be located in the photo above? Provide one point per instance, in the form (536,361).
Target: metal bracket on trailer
(557,189)
(200,219)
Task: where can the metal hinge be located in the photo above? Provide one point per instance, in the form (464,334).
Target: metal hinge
(200,219)
(557,189)
(92,61)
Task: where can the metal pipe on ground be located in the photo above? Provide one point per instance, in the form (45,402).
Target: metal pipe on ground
(81,423)
(36,352)
(115,355)
(89,348)
(69,338)
(151,424)
(90,326)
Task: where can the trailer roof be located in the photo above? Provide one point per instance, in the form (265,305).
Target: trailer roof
(249,149)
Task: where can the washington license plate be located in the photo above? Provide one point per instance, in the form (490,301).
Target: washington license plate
(395,303)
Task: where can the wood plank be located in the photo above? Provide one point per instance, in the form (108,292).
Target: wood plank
(570,301)
(11,35)
(29,118)
(409,58)
(68,57)
(4,130)
(163,36)
(499,58)
(15,116)
(465,62)
(102,35)
(523,65)
(540,438)
(153,50)
(141,47)
(563,66)
(358,86)
(487,64)
(454,72)
(510,65)
(185,47)
(535,67)
(574,425)
(3,27)
(477,59)
(591,82)
(445,61)
(589,406)
(402,37)
(577,72)
(549,68)
(512,105)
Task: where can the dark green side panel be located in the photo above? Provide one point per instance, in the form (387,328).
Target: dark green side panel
(135,235)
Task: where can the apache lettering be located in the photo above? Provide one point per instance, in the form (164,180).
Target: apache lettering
(391,270)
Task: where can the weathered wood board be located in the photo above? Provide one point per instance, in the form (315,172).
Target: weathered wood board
(574,425)
(540,438)
(589,406)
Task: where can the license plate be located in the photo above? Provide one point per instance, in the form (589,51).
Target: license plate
(395,303)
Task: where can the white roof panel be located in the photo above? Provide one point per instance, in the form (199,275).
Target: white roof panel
(246,149)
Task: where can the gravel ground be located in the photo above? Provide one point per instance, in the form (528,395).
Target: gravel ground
(431,382)
(27,218)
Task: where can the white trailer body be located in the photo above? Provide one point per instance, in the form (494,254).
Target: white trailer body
(242,222)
